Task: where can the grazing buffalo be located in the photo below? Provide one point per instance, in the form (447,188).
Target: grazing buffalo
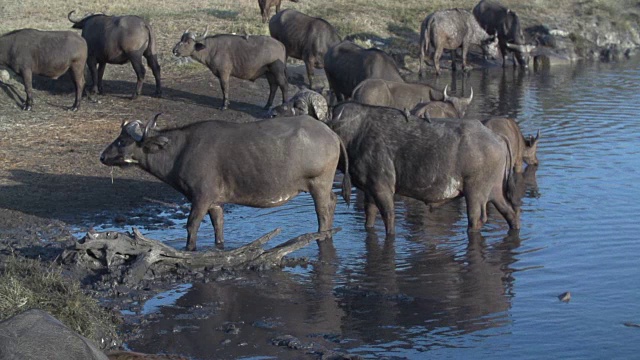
(306,38)
(347,64)
(501,21)
(399,95)
(523,150)
(266,5)
(259,164)
(243,57)
(450,107)
(46,53)
(452,29)
(118,40)
(305,102)
(390,153)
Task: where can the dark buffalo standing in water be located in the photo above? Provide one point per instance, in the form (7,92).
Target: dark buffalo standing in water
(390,153)
(266,5)
(118,40)
(347,64)
(47,53)
(452,29)
(523,150)
(306,38)
(216,162)
(399,95)
(450,107)
(501,21)
(243,57)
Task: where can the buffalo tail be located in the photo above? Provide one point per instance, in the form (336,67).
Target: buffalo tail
(343,165)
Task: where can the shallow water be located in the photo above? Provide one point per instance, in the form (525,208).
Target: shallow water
(434,291)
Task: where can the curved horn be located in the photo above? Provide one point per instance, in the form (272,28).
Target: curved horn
(446,97)
(187,31)
(538,135)
(150,125)
(204,34)
(70,19)
(468,100)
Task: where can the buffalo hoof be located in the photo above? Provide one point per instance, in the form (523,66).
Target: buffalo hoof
(134,96)
(26,107)
(158,94)
(73,108)
(267,107)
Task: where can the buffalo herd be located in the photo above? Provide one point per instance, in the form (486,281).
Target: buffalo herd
(387,136)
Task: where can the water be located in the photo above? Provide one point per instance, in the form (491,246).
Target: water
(436,292)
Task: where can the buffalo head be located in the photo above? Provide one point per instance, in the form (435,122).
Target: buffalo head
(79,24)
(189,43)
(530,151)
(490,47)
(133,143)
(460,104)
(522,52)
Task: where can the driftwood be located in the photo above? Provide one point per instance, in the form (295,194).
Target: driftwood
(134,255)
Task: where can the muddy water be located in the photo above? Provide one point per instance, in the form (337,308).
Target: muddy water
(434,291)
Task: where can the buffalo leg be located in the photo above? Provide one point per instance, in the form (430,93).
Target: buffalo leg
(509,212)
(224,86)
(309,61)
(475,213)
(436,58)
(216,214)
(465,66)
(92,64)
(99,86)
(28,88)
(273,88)
(279,71)
(325,202)
(193,224)
(152,61)
(77,72)
(136,62)
(384,201)
(370,211)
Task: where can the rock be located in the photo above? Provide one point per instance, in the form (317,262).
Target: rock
(36,335)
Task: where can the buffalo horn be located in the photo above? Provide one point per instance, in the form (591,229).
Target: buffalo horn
(446,97)
(150,125)
(134,130)
(521,48)
(69,17)
(204,34)
(468,100)
(538,135)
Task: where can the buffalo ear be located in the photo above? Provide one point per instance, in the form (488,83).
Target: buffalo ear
(155,144)
(200,46)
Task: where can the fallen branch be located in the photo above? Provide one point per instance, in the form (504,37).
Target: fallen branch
(134,255)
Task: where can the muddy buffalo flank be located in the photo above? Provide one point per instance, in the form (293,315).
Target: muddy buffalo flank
(390,153)
(118,40)
(452,29)
(31,52)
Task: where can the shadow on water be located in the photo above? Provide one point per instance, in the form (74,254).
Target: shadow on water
(44,195)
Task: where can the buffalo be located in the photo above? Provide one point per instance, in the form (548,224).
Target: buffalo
(452,29)
(306,38)
(305,102)
(390,153)
(347,64)
(399,95)
(243,57)
(450,107)
(266,5)
(505,23)
(47,53)
(523,149)
(260,164)
(118,40)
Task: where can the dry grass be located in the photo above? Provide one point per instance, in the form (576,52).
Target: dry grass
(28,284)
(398,22)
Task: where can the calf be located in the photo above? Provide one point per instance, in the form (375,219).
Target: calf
(243,57)
(305,102)
(259,164)
(266,5)
(399,95)
(47,53)
(523,149)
